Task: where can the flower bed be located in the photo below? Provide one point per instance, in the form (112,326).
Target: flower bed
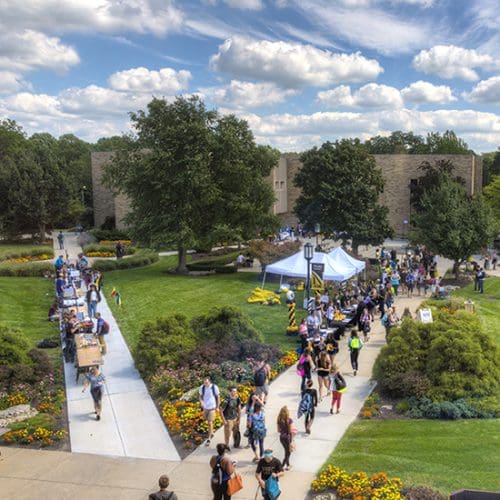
(181,411)
(31,258)
(114,242)
(358,486)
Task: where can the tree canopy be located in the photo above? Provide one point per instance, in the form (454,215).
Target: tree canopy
(340,186)
(448,222)
(191,175)
(409,143)
(492,198)
(40,180)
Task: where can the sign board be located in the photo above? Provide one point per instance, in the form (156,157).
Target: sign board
(317,271)
(425,315)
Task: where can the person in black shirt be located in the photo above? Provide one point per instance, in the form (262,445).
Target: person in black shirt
(311,412)
(230,410)
(163,494)
(268,466)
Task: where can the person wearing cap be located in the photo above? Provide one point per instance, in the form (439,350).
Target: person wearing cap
(222,468)
(268,466)
(163,494)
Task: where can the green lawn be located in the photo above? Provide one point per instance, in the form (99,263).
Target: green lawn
(149,293)
(445,455)
(487,304)
(24,304)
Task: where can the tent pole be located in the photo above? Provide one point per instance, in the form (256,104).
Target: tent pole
(281,280)
(263,280)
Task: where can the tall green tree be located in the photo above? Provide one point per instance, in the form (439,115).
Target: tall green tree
(340,186)
(191,173)
(397,143)
(491,166)
(446,143)
(492,197)
(450,223)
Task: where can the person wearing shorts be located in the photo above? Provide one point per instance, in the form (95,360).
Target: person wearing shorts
(96,380)
(209,400)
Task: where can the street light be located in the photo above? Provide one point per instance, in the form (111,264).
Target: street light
(317,230)
(83,194)
(308,255)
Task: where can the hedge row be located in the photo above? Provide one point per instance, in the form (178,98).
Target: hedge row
(28,252)
(129,250)
(109,234)
(28,269)
(140,259)
(218,264)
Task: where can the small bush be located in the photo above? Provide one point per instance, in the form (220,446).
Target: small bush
(13,347)
(139,259)
(100,248)
(421,493)
(224,325)
(402,407)
(221,264)
(42,364)
(163,344)
(29,251)
(446,410)
(109,234)
(26,269)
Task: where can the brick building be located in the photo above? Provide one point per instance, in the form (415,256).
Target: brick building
(399,171)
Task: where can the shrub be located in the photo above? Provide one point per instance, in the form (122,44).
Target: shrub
(268,252)
(448,359)
(163,344)
(402,407)
(140,259)
(219,264)
(446,410)
(106,249)
(13,347)
(29,269)
(421,493)
(224,325)
(43,366)
(44,252)
(109,234)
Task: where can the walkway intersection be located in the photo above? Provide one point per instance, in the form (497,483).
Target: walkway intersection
(131,427)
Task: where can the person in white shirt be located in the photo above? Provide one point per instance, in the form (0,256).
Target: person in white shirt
(209,400)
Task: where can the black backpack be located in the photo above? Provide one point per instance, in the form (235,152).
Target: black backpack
(217,472)
(259,378)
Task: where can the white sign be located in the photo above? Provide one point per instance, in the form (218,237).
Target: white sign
(425,315)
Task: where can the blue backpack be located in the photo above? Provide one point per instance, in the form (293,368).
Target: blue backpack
(305,405)
(272,488)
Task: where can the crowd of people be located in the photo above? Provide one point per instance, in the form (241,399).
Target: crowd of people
(77,297)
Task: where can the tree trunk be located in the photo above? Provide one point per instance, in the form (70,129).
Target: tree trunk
(354,247)
(456,268)
(181,264)
(41,231)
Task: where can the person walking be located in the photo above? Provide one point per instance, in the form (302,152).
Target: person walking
(337,386)
(268,467)
(222,468)
(261,378)
(323,370)
(258,431)
(481,275)
(230,411)
(209,395)
(304,368)
(96,380)
(307,405)
(60,239)
(102,329)
(93,298)
(285,430)
(163,494)
(354,344)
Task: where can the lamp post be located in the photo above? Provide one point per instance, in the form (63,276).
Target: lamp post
(308,255)
(83,194)
(317,230)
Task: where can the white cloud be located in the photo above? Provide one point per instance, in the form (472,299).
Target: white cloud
(165,80)
(28,50)
(449,61)
(104,16)
(245,4)
(291,65)
(371,95)
(11,82)
(422,92)
(487,91)
(244,95)
(34,104)
(366,25)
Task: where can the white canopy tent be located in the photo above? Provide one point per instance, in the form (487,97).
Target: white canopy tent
(340,256)
(296,266)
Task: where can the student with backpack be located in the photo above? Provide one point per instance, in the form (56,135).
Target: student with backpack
(258,431)
(337,386)
(304,368)
(307,405)
(261,380)
(102,330)
(354,344)
(230,410)
(222,468)
(209,400)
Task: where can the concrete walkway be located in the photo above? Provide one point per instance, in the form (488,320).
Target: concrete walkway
(58,475)
(130,424)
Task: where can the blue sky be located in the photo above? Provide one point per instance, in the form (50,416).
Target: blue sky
(300,71)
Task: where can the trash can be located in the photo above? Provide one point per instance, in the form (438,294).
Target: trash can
(469,306)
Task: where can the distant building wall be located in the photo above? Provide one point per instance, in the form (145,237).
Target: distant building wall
(398,172)
(104,201)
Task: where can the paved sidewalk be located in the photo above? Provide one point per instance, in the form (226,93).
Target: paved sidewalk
(130,425)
